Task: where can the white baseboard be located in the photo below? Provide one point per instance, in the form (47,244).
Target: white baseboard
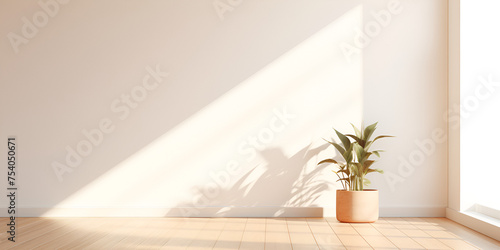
(400,212)
(217,212)
(413,211)
(486,225)
(171,212)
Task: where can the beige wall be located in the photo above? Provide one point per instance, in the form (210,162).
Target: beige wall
(219,107)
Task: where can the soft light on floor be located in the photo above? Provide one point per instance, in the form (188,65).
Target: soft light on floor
(242,233)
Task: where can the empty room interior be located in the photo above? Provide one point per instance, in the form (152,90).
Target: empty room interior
(238,124)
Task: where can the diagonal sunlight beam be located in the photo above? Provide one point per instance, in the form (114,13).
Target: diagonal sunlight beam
(313,83)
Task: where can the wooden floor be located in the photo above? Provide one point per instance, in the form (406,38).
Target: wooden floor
(241,233)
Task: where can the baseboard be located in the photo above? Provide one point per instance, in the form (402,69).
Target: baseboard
(401,212)
(413,211)
(486,225)
(217,212)
(171,212)
(488,211)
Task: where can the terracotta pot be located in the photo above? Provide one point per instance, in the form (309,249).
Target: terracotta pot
(357,206)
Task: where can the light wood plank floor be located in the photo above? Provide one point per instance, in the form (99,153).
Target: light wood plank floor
(241,233)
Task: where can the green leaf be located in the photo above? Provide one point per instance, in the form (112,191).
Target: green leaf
(356,169)
(366,155)
(337,173)
(356,131)
(339,148)
(367,165)
(345,171)
(371,170)
(345,141)
(368,145)
(359,152)
(348,158)
(376,153)
(369,131)
(328,161)
(366,182)
(348,154)
(382,136)
(357,139)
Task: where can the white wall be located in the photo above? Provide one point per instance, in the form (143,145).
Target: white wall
(405,89)
(233,125)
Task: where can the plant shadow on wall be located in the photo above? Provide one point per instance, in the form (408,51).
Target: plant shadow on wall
(280,184)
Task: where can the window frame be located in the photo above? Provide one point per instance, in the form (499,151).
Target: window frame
(455,210)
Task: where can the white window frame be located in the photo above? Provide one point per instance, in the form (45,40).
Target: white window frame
(483,224)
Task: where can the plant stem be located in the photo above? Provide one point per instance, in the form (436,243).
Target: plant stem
(342,182)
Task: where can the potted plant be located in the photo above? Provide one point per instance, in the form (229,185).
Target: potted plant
(354,202)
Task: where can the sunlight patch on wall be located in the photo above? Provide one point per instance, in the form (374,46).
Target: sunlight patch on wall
(257,145)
